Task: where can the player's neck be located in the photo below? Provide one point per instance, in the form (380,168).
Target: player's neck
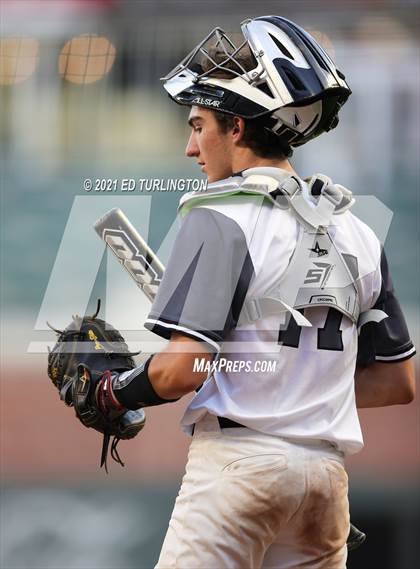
(250,160)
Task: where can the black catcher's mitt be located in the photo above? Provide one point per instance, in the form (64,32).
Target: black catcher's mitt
(87,351)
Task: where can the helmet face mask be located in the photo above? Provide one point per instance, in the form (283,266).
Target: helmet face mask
(214,75)
(273,68)
(201,59)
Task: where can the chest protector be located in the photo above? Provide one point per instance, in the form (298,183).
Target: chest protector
(318,274)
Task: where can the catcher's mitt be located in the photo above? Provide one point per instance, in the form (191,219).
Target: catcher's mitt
(88,351)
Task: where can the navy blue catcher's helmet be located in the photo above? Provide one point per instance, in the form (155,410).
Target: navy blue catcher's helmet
(276,70)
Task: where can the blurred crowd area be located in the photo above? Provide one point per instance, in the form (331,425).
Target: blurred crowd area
(81,97)
(84,85)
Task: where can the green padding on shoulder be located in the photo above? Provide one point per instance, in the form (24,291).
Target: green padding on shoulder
(197,201)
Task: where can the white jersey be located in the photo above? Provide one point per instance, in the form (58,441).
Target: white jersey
(298,381)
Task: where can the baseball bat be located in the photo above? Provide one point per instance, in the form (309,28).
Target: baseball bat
(131,250)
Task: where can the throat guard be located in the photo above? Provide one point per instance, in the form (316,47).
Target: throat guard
(319,274)
(313,202)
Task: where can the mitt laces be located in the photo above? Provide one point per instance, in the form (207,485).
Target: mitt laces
(114,451)
(117,346)
(76,318)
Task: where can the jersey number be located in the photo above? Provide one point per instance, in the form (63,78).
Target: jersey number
(329,337)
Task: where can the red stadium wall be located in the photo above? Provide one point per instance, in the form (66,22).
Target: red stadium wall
(42,440)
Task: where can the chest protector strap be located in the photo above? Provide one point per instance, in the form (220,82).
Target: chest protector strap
(318,273)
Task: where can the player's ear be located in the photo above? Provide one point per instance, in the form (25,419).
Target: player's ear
(238,129)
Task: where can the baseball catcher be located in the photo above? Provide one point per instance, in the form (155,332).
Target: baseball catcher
(87,354)
(270,266)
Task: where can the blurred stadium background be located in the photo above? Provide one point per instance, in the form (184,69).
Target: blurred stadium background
(80,98)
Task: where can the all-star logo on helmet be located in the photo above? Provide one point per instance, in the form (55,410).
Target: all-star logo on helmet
(200,101)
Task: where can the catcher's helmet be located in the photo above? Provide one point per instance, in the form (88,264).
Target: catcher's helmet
(276,70)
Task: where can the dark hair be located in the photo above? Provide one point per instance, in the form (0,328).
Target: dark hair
(257,137)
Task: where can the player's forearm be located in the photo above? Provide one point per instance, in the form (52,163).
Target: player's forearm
(170,379)
(383,384)
(171,371)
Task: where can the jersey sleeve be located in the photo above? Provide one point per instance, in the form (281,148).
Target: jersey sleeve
(388,340)
(206,280)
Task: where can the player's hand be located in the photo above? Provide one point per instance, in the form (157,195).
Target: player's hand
(81,365)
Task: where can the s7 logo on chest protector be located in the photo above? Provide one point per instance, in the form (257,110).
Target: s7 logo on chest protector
(319,275)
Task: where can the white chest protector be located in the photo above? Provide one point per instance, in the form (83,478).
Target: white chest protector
(318,274)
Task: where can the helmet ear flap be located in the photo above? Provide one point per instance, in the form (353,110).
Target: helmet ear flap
(300,121)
